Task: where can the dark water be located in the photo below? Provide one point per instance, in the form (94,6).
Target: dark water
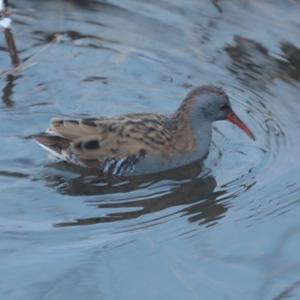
(230,230)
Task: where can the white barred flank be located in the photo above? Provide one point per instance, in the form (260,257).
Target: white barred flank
(121,166)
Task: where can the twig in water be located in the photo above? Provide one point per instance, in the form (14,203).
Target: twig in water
(5,22)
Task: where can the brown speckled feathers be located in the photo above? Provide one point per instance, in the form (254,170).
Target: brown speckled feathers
(142,143)
(117,136)
(91,141)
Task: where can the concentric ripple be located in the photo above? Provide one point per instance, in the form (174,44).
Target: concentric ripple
(236,172)
(236,168)
(172,235)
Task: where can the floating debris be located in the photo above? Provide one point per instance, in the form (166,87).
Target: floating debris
(5,22)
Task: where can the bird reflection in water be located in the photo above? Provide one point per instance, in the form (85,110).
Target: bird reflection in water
(187,188)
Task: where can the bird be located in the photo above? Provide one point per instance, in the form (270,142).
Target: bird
(142,143)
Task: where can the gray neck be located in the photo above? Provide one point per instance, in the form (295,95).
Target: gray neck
(202,133)
(202,130)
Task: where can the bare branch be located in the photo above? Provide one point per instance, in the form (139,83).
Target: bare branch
(5,23)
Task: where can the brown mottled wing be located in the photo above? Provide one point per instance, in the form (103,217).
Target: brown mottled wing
(72,129)
(116,137)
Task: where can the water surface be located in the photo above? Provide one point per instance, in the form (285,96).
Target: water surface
(227,230)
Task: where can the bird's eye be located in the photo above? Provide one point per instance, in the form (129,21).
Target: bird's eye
(224,106)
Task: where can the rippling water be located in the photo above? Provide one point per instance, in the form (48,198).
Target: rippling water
(227,229)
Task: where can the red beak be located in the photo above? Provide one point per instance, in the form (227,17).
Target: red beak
(234,119)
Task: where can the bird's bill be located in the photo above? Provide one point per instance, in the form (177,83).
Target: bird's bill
(234,119)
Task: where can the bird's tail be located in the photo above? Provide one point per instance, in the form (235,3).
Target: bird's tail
(54,144)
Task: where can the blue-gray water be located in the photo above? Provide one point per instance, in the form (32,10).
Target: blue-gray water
(228,231)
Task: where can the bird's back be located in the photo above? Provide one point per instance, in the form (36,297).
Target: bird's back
(114,144)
